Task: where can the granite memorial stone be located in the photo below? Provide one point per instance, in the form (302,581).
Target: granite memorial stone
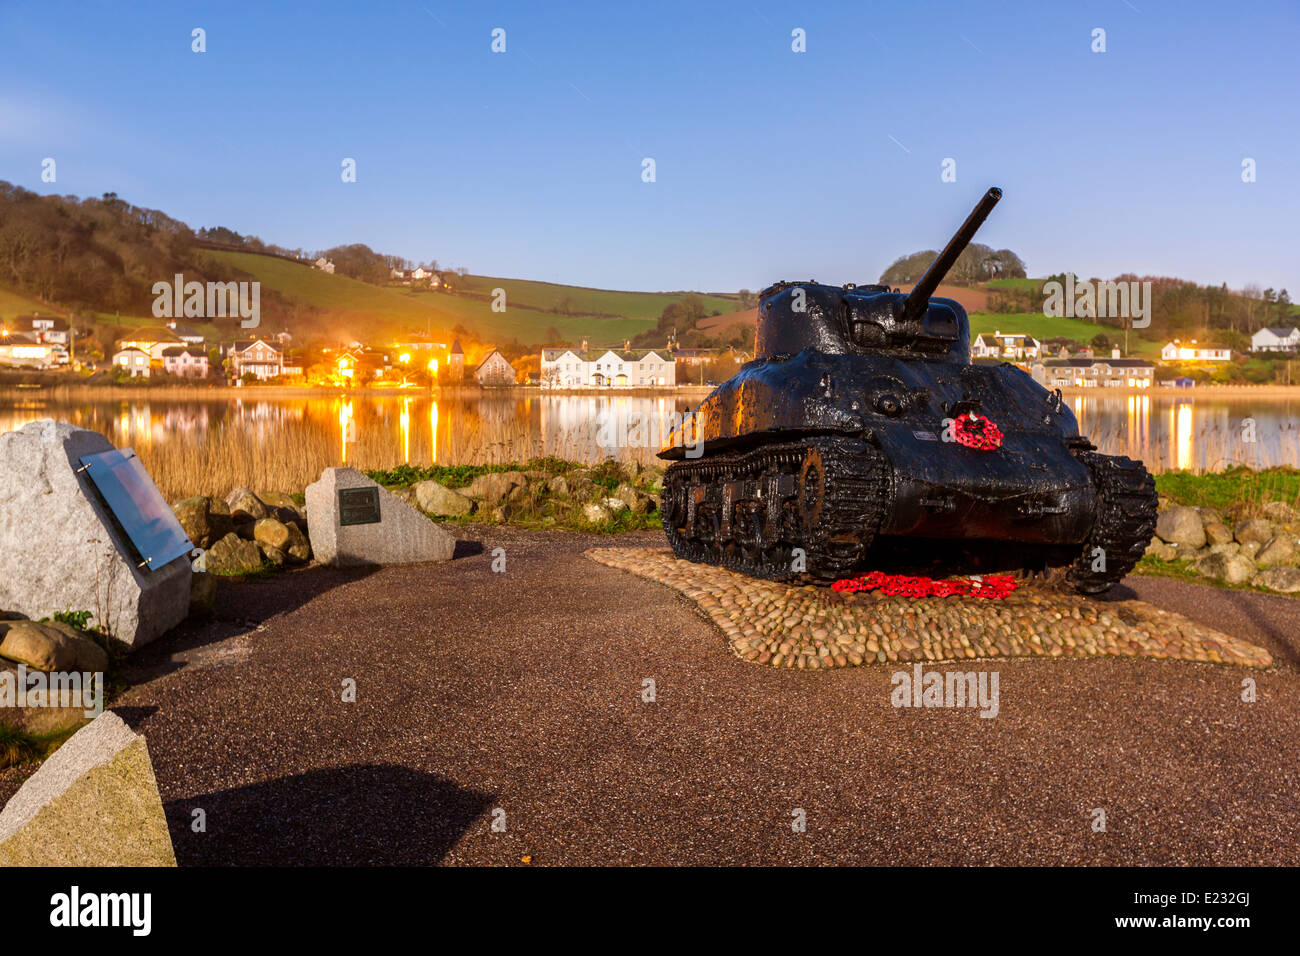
(351,520)
(64,547)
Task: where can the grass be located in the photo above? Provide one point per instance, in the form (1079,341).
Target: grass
(1236,489)
(1020,284)
(368,311)
(1047,327)
(13,304)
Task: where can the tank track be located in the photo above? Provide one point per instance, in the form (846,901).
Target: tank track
(1126,520)
(749,511)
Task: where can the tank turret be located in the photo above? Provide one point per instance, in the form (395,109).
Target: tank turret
(862,435)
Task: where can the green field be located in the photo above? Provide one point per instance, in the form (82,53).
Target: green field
(14,304)
(1046,327)
(398,307)
(1023,284)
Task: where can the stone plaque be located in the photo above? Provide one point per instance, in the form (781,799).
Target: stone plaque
(358,506)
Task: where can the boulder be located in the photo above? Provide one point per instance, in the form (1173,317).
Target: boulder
(205,520)
(50,647)
(558,486)
(233,555)
(631,469)
(1158,549)
(95,802)
(1216,532)
(1254,529)
(281,505)
(1250,549)
(596,513)
(1285,580)
(615,505)
(402,535)
(61,548)
(1277,552)
(1281,513)
(493,487)
(1232,568)
(52,715)
(436,499)
(1228,547)
(245,505)
(636,502)
(272,555)
(287,539)
(1181,526)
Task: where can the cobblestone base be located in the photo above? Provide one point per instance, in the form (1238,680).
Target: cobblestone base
(814,628)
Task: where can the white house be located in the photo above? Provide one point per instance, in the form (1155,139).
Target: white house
(1175,351)
(495,370)
(1008,346)
(1275,340)
(257,357)
(185,333)
(419,273)
(17,349)
(324,265)
(1094,373)
(608,368)
(188,362)
(133,360)
(45,328)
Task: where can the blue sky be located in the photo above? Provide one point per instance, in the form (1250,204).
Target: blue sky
(769,163)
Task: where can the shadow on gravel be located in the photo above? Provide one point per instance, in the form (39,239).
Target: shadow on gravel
(467,549)
(240,608)
(366,815)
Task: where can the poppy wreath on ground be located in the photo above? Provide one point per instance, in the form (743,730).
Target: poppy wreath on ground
(990,586)
(978,433)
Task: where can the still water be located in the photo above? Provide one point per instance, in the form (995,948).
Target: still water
(1165,430)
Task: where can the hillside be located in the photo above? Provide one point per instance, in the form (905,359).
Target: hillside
(335,304)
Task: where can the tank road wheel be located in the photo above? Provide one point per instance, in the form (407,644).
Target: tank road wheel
(853,480)
(812,489)
(1126,520)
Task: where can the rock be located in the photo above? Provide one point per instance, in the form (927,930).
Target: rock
(558,486)
(245,505)
(95,802)
(406,493)
(61,549)
(234,555)
(402,535)
(1254,529)
(1209,515)
(1228,547)
(287,539)
(73,704)
(193,513)
(615,505)
(630,469)
(272,554)
(1232,568)
(1277,552)
(636,502)
(1158,549)
(50,647)
(596,513)
(499,515)
(1281,513)
(203,593)
(1250,549)
(493,487)
(1181,526)
(283,505)
(1216,532)
(440,500)
(1285,580)
(519,495)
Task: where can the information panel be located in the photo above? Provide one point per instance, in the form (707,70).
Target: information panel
(138,506)
(358,506)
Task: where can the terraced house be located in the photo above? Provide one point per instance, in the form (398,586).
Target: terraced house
(1111,372)
(607,368)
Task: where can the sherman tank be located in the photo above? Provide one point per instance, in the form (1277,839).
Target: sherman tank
(863,437)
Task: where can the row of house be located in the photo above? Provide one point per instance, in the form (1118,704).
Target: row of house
(607,368)
(36,341)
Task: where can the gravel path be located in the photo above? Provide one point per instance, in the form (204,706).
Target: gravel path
(518,697)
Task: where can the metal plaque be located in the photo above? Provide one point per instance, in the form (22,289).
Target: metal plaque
(138,507)
(359,506)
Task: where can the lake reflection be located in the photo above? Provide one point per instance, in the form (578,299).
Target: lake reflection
(1166,431)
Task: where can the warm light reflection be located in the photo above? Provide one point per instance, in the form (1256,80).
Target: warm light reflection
(347,426)
(405,419)
(1183,435)
(433,431)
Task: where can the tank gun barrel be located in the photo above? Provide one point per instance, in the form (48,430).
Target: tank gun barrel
(919,300)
